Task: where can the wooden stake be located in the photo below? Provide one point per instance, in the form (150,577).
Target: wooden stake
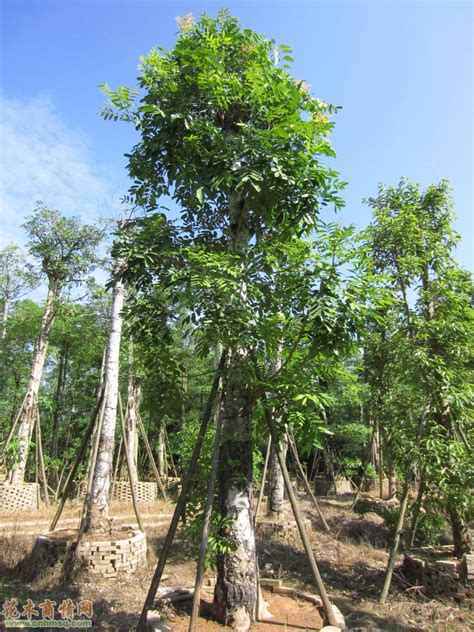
(309,491)
(299,521)
(129,465)
(206,519)
(264,475)
(150,456)
(185,485)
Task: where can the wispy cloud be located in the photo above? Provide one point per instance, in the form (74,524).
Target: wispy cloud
(41,158)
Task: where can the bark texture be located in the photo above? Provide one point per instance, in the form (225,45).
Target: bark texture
(276,485)
(133,404)
(97,511)
(276,491)
(5,312)
(235,596)
(17,474)
(161,452)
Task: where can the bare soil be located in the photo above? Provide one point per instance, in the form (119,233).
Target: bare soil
(287,614)
(70,535)
(352,566)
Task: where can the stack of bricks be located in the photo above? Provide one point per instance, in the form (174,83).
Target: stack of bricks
(106,558)
(19,497)
(115,556)
(453,578)
(324,487)
(285,528)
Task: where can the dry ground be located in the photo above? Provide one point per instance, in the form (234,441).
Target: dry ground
(352,566)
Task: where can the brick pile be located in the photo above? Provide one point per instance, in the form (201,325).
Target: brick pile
(453,578)
(106,558)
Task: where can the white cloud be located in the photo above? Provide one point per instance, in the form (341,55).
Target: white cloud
(41,158)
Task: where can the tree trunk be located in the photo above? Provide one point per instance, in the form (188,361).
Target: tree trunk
(461,539)
(39,357)
(235,596)
(97,511)
(5,312)
(62,368)
(276,491)
(161,453)
(133,404)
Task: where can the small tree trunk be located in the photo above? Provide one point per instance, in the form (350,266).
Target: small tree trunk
(161,453)
(461,539)
(276,492)
(97,511)
(133,404)
(5,312)
(27,415)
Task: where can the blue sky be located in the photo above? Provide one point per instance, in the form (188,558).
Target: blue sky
(402,71)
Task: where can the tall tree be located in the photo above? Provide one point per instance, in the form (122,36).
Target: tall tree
(65,250)
(234,139)
(412,242)
(96,517)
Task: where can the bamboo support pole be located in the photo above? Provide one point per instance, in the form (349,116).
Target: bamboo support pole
(264,475)
(307,486)
(41,457)
(12,429)
(329,612)
(150,457)
(82,448)
(206,519)
(185,485)
(129,465)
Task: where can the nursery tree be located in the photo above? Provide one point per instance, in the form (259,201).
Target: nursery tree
(65,251)
(412,242)
(17,277)
(234,140)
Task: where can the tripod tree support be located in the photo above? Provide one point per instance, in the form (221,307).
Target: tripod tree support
(129,465)
(41,457)
(206,520)
(150,457)
(328,610)
(185,485)
(79,456)
(307,486)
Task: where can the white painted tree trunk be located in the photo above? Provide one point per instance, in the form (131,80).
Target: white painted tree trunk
(133,405)
(235,594)
(161,453)
(5,313)
(276,493)
(97,511)
(17,474)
